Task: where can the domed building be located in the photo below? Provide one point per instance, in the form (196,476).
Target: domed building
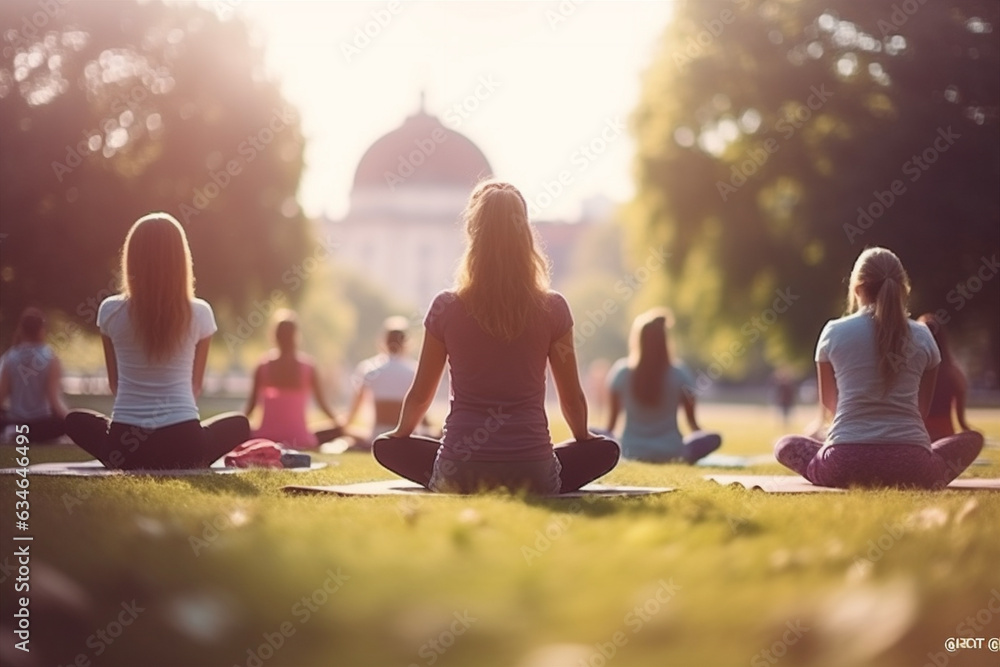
(403,227)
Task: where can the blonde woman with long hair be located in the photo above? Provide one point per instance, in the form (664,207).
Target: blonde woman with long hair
(156,336)
(498,329)
(877,369)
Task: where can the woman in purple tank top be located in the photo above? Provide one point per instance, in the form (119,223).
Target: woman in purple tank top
(498,329)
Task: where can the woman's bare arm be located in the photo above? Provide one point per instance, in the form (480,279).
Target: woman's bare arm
(111,363)
(200,361)
(827,382)
(572,400)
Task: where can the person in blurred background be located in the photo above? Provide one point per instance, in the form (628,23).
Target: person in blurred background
(650,390)
(156,336)
(283,383)
(384,380)
(877,371)
(498,329)
(31,384)
(949,389)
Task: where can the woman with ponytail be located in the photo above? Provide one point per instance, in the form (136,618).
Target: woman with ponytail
(877,370)
(650,389)
(156,336)
(498,329)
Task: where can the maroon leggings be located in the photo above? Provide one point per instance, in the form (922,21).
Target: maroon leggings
(845,465)
(581,461)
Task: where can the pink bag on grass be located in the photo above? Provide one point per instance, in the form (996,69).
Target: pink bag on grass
(255,453)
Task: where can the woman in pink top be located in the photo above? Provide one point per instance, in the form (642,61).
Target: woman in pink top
(499,329)
(283,384)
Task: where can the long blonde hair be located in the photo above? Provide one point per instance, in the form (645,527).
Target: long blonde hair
(158,282)
(503,278)
(879,280)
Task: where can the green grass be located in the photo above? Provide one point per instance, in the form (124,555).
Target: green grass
(548,583)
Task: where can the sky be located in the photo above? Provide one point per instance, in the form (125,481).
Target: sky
(545,89)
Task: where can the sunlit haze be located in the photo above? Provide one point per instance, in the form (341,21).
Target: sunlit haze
(533,84)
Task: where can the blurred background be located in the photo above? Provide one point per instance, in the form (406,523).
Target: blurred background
(726,158)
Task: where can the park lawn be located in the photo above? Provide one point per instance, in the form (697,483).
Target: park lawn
(213,571)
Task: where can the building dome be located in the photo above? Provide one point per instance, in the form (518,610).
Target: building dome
(420,153)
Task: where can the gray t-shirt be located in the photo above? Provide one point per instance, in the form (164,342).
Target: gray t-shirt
(864,413)
(153,395)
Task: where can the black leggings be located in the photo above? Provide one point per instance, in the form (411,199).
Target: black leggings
(188,444)
(39,430)
(582,461)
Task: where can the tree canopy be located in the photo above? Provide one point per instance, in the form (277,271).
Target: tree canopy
(778,138)
(110,110)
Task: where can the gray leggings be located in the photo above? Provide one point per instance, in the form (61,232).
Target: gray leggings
(574,464)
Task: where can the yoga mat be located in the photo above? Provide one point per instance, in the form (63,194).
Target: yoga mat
(797,484)
(94,468)
(403,487)
(733,461)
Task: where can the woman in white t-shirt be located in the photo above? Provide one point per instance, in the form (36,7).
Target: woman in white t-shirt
(156,336)
(877,370)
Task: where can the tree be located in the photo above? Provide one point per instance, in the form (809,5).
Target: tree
(779,138)
(110,110)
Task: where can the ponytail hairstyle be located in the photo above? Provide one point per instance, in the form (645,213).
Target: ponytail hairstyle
(649,355)
(503,278)
(879,283)
(158,283)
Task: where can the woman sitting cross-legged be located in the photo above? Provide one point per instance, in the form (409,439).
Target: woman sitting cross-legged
(498,329)
(650,389)
(283,383)
(877,370)
(156,336)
